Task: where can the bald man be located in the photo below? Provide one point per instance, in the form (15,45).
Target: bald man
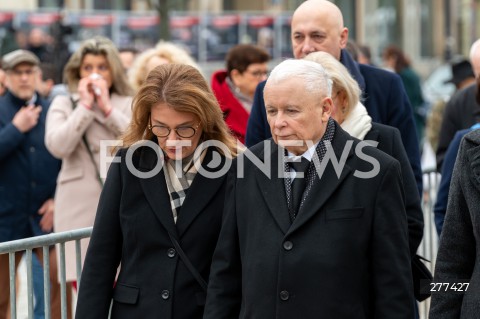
(317,25)
(462,110)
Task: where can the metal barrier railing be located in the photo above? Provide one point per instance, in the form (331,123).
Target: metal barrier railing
(429,245)
(428,249)
(45,241)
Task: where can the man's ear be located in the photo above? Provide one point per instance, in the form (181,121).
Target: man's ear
(49,83)
(327,109)
(344,38)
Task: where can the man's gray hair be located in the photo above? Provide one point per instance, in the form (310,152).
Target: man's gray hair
(314,77)
(473,49)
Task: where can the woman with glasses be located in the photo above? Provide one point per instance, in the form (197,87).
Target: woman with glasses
(235,86)
(160,212)
(97,109)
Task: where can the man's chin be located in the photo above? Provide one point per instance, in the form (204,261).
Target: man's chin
(290,142)
(24,95)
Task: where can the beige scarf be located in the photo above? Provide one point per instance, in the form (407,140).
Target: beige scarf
(357,123)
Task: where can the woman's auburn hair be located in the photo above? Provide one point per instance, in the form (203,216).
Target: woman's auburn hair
(184,89)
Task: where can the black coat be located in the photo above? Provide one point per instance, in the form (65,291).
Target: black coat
(131,226)
(390,142)
(346,254)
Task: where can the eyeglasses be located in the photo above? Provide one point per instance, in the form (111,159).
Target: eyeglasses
(182,131)
(258,73)
(19,73)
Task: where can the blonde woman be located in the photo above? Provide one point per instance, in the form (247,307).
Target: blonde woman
(352,116)
(98,108)
(161,208)
(162,53)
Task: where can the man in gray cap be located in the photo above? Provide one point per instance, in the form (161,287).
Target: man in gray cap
(28,172)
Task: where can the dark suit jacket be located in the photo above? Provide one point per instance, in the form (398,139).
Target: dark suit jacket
(346,254)
(131,226)
(384,97)
(390,142)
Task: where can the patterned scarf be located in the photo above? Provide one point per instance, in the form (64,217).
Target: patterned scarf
(178,185)
(321,150)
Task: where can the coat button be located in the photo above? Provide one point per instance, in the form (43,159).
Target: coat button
(288,245)
(165,294)
(171,252)
(284,295)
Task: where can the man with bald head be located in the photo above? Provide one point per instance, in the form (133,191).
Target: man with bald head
(317,25)
(301,239)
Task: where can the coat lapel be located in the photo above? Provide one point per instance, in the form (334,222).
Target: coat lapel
(325,186)
(155,189)
(273,189)
(200,193)
(372,135)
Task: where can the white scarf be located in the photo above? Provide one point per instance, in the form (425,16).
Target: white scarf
(357,123)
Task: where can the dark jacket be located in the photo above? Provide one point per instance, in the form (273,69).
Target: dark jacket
(234,113)
(440,207)
(28,172)
(458,254)
(390,142)
(461,112)
(131,227)
(346,254)
(384,97)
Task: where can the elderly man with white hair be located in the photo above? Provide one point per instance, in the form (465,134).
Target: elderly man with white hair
(314,223)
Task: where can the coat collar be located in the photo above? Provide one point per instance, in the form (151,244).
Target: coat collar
(353,68)
(273,188)
(202,190)
(327,183)
(18,102)
(373,134)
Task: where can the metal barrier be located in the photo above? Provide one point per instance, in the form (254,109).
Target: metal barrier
(429,245)
(45,241)
(428,249)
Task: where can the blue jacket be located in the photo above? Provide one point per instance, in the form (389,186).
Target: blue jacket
(384,97)
(440,207)
(28,172)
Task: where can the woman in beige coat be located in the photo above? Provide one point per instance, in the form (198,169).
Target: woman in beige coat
(98,109)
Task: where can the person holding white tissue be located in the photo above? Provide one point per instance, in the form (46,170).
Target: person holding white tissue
(98,108)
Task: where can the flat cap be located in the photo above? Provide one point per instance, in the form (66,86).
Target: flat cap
(14,58)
